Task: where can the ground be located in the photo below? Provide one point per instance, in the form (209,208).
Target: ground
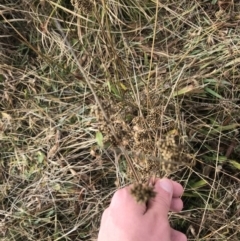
(99,94)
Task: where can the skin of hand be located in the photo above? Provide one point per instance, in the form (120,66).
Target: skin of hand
(127,220)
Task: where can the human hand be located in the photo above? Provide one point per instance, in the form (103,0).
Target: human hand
(127,220)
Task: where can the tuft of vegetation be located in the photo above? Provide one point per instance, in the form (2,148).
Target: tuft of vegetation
(77,76)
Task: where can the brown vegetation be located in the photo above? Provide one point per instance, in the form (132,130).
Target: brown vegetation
(89,91)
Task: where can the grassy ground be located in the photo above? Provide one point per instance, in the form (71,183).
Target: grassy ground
(62,68)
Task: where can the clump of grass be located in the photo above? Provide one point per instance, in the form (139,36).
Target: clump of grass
(182,56)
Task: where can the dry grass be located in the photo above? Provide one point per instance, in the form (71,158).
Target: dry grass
(130,58)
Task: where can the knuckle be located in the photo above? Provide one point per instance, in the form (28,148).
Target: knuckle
(120,195)
(105,214)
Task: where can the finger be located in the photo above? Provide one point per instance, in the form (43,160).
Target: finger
(177,189)
(176,205)
(177,236)
(160,205)
(124,203)
(105,215)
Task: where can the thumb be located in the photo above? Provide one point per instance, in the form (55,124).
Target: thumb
(162,202)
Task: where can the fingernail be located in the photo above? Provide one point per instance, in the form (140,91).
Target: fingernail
(166,185)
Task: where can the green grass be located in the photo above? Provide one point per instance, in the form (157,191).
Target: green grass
(64,74)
